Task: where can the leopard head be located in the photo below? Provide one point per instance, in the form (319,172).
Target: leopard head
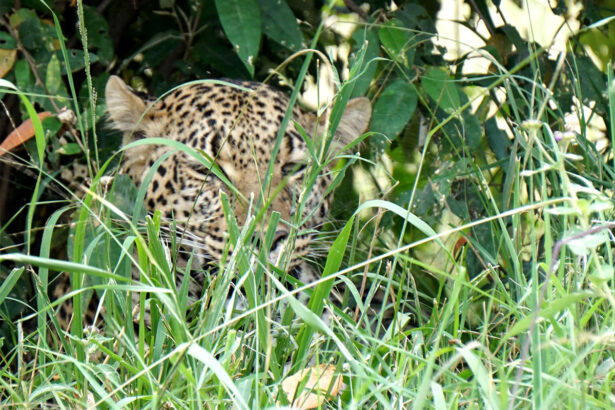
(234,126)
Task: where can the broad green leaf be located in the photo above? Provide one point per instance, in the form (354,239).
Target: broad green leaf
(24,78)
(7,41)
(584,245)
(124,194)
(280,24)
(21,15)
(600,206)
(37,34)
(98,34)
(602,275)
(472,129)
(76,60)
(53,79)
(441,89)
(7,60)
(220,58)
(51,126)
(497,139)
(71,148)
(590,78)
(395,40)
(394,108)
(242,24)
(30,32)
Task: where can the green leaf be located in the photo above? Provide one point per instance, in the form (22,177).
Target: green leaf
(600,206)
(58,265)
(408,216)
(7,42)
(30,32)
(242,24)
(602,274)
(220,58)
(124,194)
(21,15)
(583,246)
(472,130)
(6,6)
(395,40)
(280,24)
(394,108)
(497,139)
(482,376)
(316,303)
(53,79)
(69,149)
(212,364)
(547,312)
(361,37)
(23,76)
(51,126)
(76,59)
(98,34)
(438,396)
(9,282)
(564,210)
(441,89)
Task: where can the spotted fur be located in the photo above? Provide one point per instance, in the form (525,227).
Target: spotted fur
(235,125)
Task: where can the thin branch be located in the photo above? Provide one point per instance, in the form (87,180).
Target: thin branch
(355,9)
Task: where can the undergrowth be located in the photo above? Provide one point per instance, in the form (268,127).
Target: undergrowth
(506,303)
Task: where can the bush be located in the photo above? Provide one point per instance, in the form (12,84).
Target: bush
(477,216)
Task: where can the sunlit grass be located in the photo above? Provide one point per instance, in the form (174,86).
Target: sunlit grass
(533,328)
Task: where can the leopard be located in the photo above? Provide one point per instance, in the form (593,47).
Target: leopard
(238,126)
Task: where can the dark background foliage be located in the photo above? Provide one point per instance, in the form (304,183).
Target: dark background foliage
(156,45)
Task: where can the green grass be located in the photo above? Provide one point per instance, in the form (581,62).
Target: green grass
(533,328)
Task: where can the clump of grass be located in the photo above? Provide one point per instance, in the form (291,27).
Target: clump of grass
(534,328)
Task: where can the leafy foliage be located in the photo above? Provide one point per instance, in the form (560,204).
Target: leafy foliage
(489,235)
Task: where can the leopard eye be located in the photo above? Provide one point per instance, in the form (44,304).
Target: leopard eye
(293,168)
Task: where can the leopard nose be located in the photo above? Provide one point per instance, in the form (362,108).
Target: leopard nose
(278,238)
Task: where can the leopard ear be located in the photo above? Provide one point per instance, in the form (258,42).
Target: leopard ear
(355,120)
(125,107)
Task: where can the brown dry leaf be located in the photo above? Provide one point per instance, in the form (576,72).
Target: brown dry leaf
(7,60)
(21,134)
(322,383)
